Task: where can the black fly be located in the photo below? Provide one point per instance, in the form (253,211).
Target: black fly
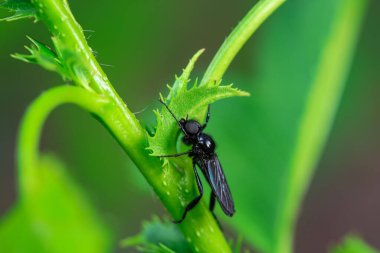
(203,155)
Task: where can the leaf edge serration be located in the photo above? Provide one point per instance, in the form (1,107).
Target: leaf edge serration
(185,101)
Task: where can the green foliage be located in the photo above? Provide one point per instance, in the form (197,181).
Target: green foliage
(62,60)
(177,176)
(53,216)
(275,155)
(183,102)
(17,234)
(52,209)
(71,58)
(164,236)
(42,55)
(303,63)
(20,8)
(158,237)
(353,244)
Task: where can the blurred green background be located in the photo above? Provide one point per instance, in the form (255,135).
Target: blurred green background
(142,44)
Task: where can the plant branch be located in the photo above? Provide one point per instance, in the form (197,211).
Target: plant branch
(77,56)
(123,125)
(34,118)
(199,227)
(238,37)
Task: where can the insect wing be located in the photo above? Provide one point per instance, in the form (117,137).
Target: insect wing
(218,182)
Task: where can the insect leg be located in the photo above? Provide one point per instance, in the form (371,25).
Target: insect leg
(195,201)
(175,155)
(212,202)
(211,207)
(207,117)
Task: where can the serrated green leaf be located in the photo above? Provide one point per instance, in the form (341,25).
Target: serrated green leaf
(20,8)
(52,60)
(158,237)
(353,244)
(42,55)
(54,217)
(185,102)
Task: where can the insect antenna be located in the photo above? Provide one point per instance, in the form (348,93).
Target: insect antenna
(170,111)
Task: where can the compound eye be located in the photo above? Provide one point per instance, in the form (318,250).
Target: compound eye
(192,127)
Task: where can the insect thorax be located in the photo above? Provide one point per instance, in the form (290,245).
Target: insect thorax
(206,143)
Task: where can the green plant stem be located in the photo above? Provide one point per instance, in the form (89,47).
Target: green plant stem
(239,36)
(199,227)
(78,57)
(32,124)
(59,20)
(124,126)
